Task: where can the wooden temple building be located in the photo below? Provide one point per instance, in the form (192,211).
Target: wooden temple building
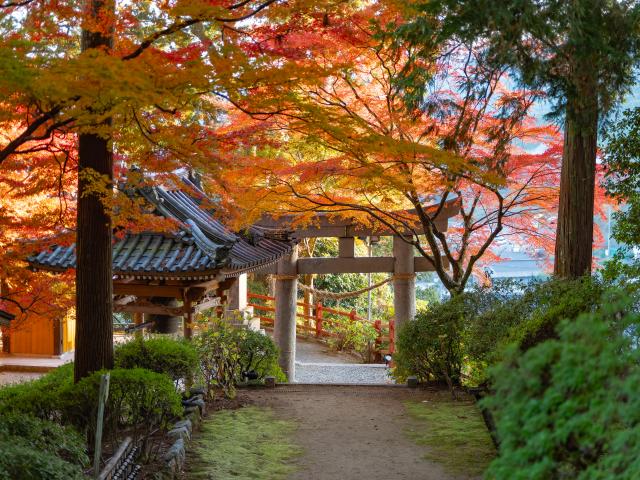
(171,277)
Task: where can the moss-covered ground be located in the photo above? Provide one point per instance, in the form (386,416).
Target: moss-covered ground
(454,433)
(248,443)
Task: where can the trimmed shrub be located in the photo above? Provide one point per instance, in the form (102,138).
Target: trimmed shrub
(139,399)
(568,408)
(430,346)
(39,398)
(176,358)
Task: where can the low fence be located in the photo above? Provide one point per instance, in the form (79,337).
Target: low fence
(122,465)
(314,323)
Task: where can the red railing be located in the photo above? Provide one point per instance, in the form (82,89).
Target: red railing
(320,316)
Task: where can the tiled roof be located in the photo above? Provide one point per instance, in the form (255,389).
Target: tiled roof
(5,318)
(203,247)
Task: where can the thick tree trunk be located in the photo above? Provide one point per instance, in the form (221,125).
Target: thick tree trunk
(574,239)
(94,288)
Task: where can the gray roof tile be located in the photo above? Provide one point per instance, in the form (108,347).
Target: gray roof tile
(203,246)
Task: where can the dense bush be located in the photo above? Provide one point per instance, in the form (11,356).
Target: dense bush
(176,358)
(40,398)
(430,346)
(259,353)
(568,408)
(45,436)
(219,358)
(226,353)
(357,336)
(549,303)
(19,460)
(139,399)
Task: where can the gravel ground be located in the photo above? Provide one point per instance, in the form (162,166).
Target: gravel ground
(7,378)
(315,363)
(342,373)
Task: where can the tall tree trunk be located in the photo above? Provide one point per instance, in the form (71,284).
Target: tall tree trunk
(94,288)
(574,238)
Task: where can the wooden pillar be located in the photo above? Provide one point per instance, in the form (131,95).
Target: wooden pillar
(346,247)
(237,296)
(404,284)
(137,320)
(188,319)
(285,321)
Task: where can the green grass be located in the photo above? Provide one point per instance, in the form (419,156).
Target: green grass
(249,443)
(454,433)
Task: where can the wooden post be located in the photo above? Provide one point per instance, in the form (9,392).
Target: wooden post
(404,283)
(319,320)
(346,247)
(102,399)
(137,320)
(392,336)
(188,319)
(237,296)
(286,300)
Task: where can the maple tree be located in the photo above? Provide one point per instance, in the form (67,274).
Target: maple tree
(338,136)
(133,82)
(35,207)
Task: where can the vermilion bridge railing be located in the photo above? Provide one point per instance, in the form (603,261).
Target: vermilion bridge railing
(315,323)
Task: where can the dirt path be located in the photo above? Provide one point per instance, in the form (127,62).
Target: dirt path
(352,433)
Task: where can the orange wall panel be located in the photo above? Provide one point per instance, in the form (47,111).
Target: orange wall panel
(33,336)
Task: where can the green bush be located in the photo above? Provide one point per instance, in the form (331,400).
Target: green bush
(46,436)
(551,302)
(259,353)
(139,399)
(219,355)
(226,352)
(32,448)
(512,313)
(430,346)
(357,336)
(176,358)
(39,398)
(18,460)
(568,407)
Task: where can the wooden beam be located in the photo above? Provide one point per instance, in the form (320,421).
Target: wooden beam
(171,291)
(194,294)
(213,302)
(149,308)
(356,265)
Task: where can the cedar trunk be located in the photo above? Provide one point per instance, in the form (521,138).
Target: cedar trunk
(94,288)
(574,239)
